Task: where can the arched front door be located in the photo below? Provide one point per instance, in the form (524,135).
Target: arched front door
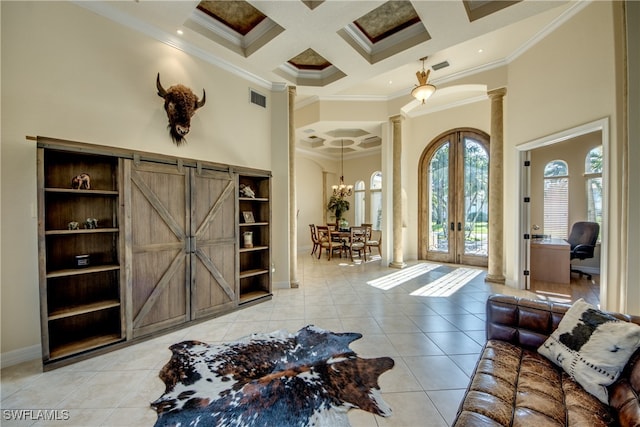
(454,198)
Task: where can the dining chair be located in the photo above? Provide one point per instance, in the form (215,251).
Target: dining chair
(371,242)
(358,242)
(333,226)
(326,242)
(314,238)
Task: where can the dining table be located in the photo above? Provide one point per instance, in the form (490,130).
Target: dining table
(343,236)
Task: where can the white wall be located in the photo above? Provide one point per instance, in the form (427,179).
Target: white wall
(633,207)
(309,182)
(309,193)
(558,84)
(68,73)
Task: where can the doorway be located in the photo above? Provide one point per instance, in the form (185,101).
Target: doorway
(526,225)
(454,198)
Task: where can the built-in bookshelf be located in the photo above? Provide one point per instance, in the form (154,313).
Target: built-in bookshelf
(255,238)
(79,247)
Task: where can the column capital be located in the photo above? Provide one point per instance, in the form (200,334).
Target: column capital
(497,93)
(396,119)
(292,90)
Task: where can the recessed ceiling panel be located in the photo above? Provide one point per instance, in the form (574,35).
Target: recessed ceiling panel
(389,29)
(386,20)
(312,4)
(477,9)
(309,68)
(309,60)
(341,142)
(236,25)
(347,133)
(238,15)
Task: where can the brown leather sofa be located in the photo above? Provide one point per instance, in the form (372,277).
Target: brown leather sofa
(513,385)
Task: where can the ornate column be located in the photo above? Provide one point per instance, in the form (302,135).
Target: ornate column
(398,261)
(324,197)
(293,204)
(496,158)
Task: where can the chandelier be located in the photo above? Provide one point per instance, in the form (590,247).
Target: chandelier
(424,90)
(342,190)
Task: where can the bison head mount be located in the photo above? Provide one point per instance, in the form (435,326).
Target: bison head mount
(180,103)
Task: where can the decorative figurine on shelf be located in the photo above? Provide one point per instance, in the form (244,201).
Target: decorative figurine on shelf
(248,239)
(246,191)
(73,225)
(91,223)
(81,182)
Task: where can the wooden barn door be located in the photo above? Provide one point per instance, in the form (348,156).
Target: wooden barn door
(156,234)
(213,242)
(180,234)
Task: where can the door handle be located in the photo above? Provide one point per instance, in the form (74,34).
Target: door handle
(190,244)
(453,227)
(459,226)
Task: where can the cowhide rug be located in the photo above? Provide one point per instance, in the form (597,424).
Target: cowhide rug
(310,378)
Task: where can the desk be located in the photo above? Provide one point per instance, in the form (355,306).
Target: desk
(550,260)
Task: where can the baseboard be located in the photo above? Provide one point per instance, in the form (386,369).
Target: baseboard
(280,285)
(24,354)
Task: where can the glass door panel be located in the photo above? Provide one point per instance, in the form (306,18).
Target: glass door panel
(454,179)
(439,197)
(473,233)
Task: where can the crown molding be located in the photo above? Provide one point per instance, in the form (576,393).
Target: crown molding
(109,12)
(366,98)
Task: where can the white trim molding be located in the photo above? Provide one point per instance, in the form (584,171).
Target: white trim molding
(24,354)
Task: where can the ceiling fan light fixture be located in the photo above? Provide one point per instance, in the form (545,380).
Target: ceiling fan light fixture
(423,90)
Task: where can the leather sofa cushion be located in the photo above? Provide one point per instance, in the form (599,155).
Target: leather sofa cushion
(516,386)
(624,394)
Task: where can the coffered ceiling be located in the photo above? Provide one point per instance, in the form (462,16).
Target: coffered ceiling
(345,50)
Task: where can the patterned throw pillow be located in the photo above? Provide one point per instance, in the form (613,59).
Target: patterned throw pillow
(592,347)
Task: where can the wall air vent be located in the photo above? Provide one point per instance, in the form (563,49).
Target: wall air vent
(440,65)
(257,98)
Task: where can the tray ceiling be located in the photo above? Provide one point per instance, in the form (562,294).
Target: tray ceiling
(345,49)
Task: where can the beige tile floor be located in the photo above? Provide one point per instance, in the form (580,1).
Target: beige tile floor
(429,318)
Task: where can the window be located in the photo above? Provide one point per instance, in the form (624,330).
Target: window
(593,175)
(376,200)
(359,203)
(556,198)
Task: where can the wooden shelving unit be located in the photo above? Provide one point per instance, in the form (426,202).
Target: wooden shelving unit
(168,248)
(80,305)
(255,261)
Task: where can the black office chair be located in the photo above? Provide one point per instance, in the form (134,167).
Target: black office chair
(582,239)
